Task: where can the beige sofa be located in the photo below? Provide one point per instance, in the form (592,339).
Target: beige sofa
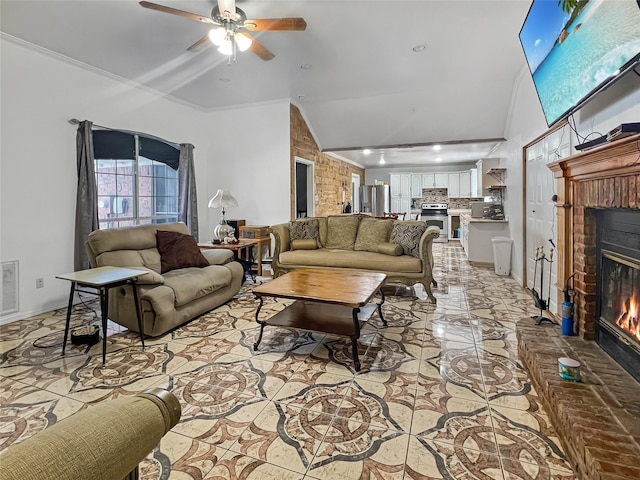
(104,441)
(169,299)
(400,249)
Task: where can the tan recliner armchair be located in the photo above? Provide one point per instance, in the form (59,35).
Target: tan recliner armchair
(103,442)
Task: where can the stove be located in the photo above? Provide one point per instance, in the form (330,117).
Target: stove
(436,214)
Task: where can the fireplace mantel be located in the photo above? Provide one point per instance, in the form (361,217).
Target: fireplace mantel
(605,177)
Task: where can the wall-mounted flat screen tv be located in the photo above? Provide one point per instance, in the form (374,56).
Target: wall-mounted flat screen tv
(575,48)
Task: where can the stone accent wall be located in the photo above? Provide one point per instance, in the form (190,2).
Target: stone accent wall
(330,173)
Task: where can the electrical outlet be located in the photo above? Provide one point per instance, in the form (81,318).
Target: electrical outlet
(40,282)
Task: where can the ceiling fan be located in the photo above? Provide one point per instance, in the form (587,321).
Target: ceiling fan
(231,28)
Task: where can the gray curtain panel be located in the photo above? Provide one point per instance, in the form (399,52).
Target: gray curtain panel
(187,198)
(86,195)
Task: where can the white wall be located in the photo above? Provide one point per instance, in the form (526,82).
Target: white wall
(40,92)
(618,104)
(252,151)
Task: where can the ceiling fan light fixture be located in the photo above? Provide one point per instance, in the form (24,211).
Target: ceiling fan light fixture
(226,48)
(242,41)
(217,35)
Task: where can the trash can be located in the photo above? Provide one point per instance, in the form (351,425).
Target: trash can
(502,255)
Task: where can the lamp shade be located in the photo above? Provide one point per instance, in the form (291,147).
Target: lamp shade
(223,198)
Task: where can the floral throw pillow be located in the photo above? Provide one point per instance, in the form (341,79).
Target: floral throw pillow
(305,229)
(407,235)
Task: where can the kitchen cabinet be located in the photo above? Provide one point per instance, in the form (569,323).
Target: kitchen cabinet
(465,184)
(435,180)
(400,189)
(476,237)
(474,183)
(441,180)
(416,185)
(453,182)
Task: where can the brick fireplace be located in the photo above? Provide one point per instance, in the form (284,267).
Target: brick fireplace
(598,419)
(606,177)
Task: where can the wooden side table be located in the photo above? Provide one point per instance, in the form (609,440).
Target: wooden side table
(260,233)
(237,248)
(102,279)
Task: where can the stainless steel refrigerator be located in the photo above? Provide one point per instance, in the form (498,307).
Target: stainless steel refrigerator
(374,199)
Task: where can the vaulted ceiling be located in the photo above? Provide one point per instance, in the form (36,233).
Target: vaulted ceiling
(353,71)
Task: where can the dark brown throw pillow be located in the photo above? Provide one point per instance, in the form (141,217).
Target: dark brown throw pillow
(178,250)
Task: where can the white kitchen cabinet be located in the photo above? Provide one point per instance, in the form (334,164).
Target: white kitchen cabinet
(400,189)
(416,185)
(477,235)
(428,180)
(454,185)
(441,180)
(474,183)
(465,184)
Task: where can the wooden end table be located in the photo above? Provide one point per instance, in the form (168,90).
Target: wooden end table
(245,244)
(323,297)
(102,279)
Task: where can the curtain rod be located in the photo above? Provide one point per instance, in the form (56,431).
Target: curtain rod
(75,121)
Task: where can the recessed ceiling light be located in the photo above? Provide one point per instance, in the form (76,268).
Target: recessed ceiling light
(306,66)
(382,162)
(438,159)
(366,151)
(419,48)
(224,79)
(437,148)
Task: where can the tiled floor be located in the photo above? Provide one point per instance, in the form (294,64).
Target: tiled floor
(441,393)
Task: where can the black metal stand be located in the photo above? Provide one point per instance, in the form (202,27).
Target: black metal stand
(538,300)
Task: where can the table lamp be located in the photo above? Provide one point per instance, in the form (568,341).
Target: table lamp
(222,199)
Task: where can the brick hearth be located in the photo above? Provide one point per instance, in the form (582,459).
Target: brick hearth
(598,419)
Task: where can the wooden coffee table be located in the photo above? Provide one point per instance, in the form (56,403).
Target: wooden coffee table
(327,300)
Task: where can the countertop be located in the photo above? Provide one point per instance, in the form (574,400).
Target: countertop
(470,219)
(458,211)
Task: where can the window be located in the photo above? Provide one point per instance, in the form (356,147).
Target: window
(136,179)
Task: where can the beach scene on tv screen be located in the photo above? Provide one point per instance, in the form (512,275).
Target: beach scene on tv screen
(573,46)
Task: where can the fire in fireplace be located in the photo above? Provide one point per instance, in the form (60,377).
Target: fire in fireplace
(620,293)
(618,286)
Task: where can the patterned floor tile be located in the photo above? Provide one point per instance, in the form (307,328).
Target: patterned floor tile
(285,436)
(353,450)
(238,466)
(441,392)
(428,460)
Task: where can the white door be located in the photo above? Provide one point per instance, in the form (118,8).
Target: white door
(394,184)
(541,214)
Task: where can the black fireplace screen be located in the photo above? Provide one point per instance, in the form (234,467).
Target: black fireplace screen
(620,294)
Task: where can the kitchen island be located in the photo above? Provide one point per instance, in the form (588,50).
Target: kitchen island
(476,237)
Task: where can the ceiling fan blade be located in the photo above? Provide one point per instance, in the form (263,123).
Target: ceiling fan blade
(200,44)
(260,50)
(227,6)
(262,24)
(175,11)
